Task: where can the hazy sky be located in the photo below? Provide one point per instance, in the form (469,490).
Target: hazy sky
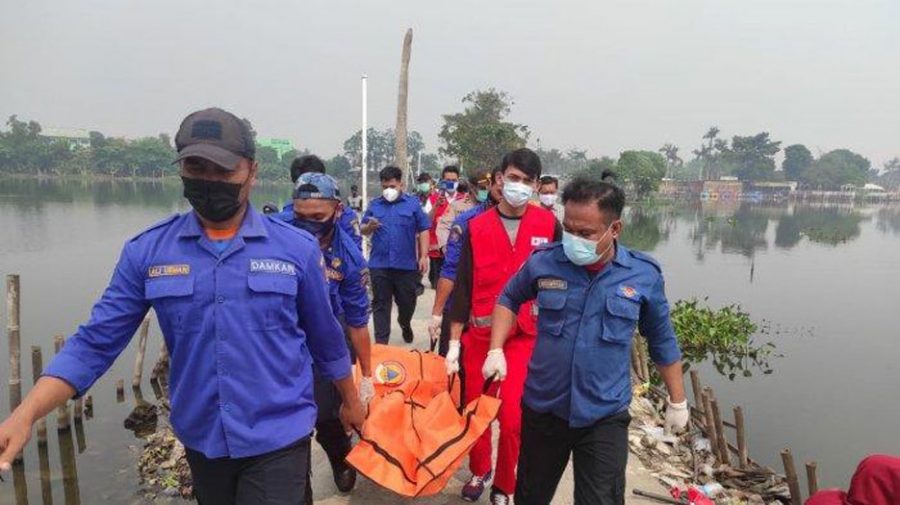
(602,75)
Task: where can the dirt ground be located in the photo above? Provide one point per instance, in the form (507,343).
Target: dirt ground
(368,493)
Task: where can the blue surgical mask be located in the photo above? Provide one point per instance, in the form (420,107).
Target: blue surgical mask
(517,194)
(482,195)
(450,186)
(318,229)
(582,251)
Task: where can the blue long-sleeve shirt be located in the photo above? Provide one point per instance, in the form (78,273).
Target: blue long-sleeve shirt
(242,326)
(580,368)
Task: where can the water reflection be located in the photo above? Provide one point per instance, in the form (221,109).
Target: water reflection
(887,220)
(644,230)
(824,225)
(19,482)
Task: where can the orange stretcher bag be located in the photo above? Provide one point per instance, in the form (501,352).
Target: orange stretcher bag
(415,437)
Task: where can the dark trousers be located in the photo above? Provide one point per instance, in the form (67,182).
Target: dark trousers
(599,453)
(389,285)
(278,477)
(434,270)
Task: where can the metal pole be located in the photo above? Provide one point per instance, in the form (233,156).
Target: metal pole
(365,142)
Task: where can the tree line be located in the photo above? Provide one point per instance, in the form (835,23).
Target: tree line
(475,138)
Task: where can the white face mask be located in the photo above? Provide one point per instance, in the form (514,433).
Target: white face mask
(390,194)
(516,193)
(549,200)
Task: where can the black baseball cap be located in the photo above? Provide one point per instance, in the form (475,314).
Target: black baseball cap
(215,135)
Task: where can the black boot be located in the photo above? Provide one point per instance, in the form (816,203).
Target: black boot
(407,335)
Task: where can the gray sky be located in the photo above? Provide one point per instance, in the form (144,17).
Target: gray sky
(602,75)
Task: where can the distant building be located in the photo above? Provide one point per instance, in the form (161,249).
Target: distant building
(280,146)
(76,137)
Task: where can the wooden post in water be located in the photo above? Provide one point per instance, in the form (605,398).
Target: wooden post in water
(645,360)
(15,343)
(635,361)
(69,468)
(44,465)
(812,480)
(37,368)
(62,412)
(721,442)
(698,391)
(139,355)
(120,390)
(743,455)
(89,407)
(710,423)
(791,473)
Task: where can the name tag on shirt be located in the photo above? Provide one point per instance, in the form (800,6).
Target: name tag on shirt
(270,266)
(558,284)
(168,270)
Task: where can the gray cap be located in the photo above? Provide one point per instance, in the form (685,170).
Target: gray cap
(215,135)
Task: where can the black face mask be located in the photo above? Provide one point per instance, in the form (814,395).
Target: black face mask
(214,200)
(318,229)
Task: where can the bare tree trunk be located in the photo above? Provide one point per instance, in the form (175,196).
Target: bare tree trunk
(400,154)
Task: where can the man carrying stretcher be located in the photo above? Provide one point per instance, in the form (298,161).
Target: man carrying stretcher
(495,245)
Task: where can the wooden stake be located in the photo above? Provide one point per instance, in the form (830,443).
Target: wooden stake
(15,343)
(44,466)
(743,455)
(89,407)
(62,412)
(791,474)
(695,386)
(37,368)
(812,480)
(142,347)
(709,422)
(120,390)
(645,360)
(635,361)
(78,408)
(721,443)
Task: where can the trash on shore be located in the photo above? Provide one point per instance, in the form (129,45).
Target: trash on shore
(686,461)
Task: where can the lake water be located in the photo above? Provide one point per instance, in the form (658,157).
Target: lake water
(825,280)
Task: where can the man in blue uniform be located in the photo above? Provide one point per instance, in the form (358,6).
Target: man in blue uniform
(438,328)
(348,219)
(591,294)
(243,305)
(316,207)
(399,254)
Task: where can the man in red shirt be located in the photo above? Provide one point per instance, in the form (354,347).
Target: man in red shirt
(495,244)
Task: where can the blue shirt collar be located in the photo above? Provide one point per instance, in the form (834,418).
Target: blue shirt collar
(251,226)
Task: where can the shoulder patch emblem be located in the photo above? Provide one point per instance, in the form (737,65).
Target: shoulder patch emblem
(333,275)
(271,266)
(552,284)
(168,270)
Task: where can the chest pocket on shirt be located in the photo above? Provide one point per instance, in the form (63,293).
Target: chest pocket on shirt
(551,305)
(172,298)
(273,301)
(621,319)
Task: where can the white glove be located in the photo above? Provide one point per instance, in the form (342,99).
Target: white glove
(677,416)
(495,364)
(366,391)
(434,327)
(452,359)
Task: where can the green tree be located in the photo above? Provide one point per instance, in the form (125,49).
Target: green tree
(837,168)
(753,157)
(643,170)
(797,159)
(597,167)
(479,136)
(673,161)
